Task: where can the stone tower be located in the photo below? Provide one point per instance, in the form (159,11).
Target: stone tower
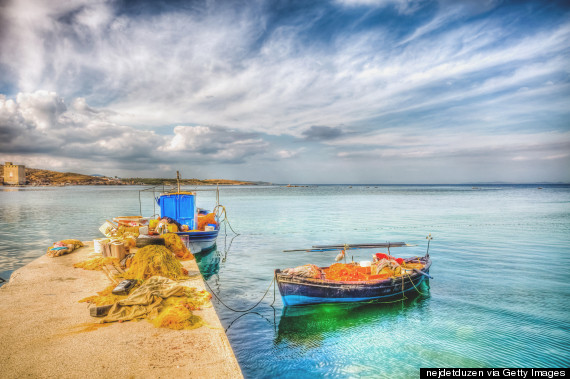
(14,174)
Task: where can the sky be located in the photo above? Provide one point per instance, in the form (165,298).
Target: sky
(339,91)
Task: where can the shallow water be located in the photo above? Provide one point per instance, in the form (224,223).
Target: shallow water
(500,255)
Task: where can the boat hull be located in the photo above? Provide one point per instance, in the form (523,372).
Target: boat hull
(199,242)
(301,291)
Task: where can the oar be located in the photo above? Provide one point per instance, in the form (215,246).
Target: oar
(310,250)
(423,273)
(363,245)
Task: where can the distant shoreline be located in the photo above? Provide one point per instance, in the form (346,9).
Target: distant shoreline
(47,178)
(170,183)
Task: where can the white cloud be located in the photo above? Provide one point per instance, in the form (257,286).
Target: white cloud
(180,68)
(40,124)
(452,145)
(209,85)
(403,6)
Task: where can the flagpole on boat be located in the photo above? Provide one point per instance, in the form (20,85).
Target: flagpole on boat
(178,180)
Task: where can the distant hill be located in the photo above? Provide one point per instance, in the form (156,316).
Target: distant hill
(36,176)
(190,182)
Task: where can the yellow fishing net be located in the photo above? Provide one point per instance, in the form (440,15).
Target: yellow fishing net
(104,297)
(124,230)
(153,223)
(162,301)
(176,312)
(76,243)
(411,266)
(155,260)
(63,247)
(175,244)
(96,263)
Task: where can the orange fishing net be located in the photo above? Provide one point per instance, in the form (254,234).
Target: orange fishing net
(351,273)
(204,220)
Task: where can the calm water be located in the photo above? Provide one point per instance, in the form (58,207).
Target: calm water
(500,297)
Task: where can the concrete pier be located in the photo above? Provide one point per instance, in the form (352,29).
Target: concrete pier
(46,332)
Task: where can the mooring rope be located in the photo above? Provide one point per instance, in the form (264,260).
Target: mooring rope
(225,213)
(246,310)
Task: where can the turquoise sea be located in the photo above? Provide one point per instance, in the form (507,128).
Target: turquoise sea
(500,296)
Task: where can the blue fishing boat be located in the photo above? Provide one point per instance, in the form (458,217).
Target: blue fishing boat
(181,207)
(300,290)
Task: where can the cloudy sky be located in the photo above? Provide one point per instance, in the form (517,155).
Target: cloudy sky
(339,91)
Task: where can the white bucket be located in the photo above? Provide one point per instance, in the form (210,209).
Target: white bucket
(98,244)
(365,263)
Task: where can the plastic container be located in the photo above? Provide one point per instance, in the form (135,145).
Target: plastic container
(107,229)
(365,263)
(99,245)
(118,250)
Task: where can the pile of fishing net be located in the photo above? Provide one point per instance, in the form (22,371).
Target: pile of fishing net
(128,231)
(163,302)
(63,247)
(176,312)
(175,244)
(413,265)
(347,272)
(155,260)
(96,263)
(379,270)
(204,220)
(305,271)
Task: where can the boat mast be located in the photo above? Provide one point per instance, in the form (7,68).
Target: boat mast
(178,180)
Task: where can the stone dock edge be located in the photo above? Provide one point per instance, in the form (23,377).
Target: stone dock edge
(46,332)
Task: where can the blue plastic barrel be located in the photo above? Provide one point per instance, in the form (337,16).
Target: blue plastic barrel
(181,207)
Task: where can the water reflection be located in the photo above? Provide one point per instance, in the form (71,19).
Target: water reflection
(12,189)
(208,262)
(307,326)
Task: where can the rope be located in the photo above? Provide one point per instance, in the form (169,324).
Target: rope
(409,277)
(225,213)
(247,310)
(248,313)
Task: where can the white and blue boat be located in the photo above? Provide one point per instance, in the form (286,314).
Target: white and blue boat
(181,207)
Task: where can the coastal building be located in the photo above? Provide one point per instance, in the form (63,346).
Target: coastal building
(14,174)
